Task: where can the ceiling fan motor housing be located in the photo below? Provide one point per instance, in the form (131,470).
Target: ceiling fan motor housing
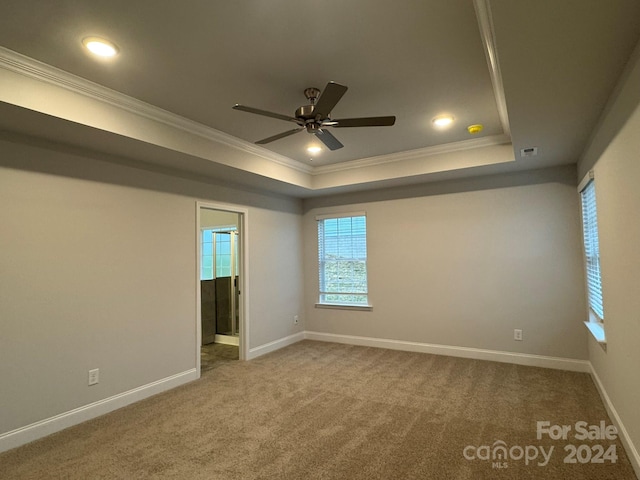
(305,112)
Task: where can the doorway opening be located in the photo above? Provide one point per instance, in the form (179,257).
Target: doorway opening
(220,285)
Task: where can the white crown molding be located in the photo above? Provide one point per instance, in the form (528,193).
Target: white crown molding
(23,65)
(485,22)
(487,33)
(414,154)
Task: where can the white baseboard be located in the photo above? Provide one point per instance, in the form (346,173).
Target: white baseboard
(275,345)
(45,427)
(452,351)
(632,451)
(496,356)
(227,340)
(51,425)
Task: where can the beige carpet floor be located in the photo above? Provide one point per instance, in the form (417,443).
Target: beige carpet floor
(215,355)
(326,411)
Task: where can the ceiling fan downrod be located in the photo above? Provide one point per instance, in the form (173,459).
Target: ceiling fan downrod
(305,112)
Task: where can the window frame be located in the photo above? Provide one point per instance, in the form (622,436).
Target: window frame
(322,301)
(591,257)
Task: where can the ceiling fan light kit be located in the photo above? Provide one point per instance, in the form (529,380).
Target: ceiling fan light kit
(315,116)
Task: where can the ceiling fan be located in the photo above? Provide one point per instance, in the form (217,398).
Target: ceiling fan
(314,118)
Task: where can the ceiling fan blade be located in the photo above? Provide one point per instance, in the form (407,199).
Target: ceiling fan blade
(257,111)
(364,122)
(278,136)
(329,140)
(332,94)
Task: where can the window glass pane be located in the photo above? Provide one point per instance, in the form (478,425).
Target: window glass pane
(206,273)
(221,238)
(342,254)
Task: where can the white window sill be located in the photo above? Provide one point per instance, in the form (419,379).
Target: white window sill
(597,330)
(342,306)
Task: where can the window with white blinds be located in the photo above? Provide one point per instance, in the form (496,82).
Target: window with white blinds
(592,248)
(342,260)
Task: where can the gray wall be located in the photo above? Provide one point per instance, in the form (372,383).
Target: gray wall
(465,263)
(98,270)
(616,153)
(217,218)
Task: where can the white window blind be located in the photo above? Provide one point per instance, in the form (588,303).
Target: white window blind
(592,249)
(342,259)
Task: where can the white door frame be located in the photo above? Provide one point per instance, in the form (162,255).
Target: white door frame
(243,252)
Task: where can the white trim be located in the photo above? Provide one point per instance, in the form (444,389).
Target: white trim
(34,69)
(597,330)
(29,67)
(487,32)
(198,288)
(558,363)
(275,345)
(243,230)
(29,433)
(220,229)
(585,181)
(418,153)
(345,306)
(227,340)
(632,451)
(326,216)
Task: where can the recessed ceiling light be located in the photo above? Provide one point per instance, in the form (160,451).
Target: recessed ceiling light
(443,120)
(314,149)
(100,46)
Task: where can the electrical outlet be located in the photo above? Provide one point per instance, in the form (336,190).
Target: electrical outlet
(94,376)
(517,334)
(296,319)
